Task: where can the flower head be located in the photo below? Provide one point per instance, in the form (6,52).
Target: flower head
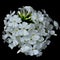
(29,30)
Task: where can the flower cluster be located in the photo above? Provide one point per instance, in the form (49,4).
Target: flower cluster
(29,30)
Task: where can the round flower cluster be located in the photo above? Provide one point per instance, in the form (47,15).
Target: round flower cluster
(29,30)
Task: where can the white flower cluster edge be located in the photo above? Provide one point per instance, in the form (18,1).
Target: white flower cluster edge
(30,38)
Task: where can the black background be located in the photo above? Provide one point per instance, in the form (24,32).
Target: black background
(52,8)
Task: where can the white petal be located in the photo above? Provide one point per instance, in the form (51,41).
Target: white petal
(48,42)
(40,16)
(11,46)
(9,40)
(10,24)
(41,39)
(20,32)
(5,36)
(32,42)
(35,37)
(34,16)
(56,24)
(13,13)
(20,25)
(40,53)
(53,33)
(15,42)
(25,32)
(24,24)
(31,53)
(28,8)
(22,40)
(18,51)
(35,52)
(24,48)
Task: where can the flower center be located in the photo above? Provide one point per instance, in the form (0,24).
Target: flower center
(25,16)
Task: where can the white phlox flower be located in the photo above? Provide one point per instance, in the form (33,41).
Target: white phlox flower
(29,30)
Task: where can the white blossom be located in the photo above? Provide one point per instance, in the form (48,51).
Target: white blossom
(34,16)
(28,30)
(24,25)
(40,16)
(25,48)
(28,8)
(34,52)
